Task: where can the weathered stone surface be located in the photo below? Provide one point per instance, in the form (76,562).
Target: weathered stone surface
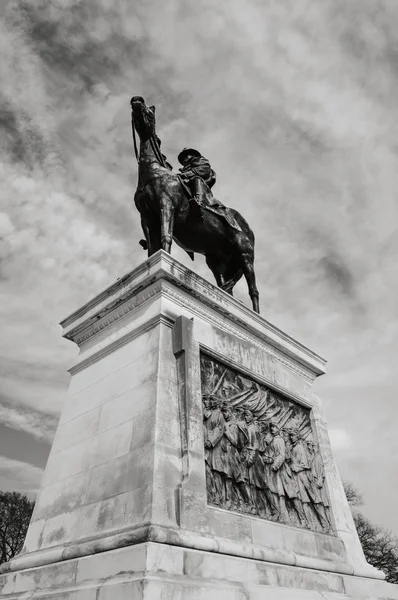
(135,403)
(90,394)
(112,564)
(139,503)
(61,497)
(102,515)
(60,529)
(131,471)
(128,356)
(157,571)
(131,590)
(54,576)
(34,536)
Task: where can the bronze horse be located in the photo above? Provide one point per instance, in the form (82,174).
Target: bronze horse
(167,213)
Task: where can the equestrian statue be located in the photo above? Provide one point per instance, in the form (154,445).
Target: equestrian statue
(181,206)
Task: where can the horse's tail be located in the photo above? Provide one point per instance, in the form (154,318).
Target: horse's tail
(230,284)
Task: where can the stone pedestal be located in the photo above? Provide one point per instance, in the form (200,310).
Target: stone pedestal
(124,510)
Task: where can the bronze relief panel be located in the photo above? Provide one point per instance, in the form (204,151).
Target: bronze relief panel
(260,452)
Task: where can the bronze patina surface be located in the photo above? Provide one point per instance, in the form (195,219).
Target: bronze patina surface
(181,206)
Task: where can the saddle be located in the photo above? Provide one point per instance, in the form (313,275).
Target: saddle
(196,210)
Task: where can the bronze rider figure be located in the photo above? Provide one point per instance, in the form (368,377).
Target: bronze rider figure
(198,175)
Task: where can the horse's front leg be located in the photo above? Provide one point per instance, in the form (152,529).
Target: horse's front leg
(166,223)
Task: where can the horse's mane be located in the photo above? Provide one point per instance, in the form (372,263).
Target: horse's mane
(159,143)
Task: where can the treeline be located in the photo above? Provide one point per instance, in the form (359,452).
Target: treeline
(15,513)
(379,545)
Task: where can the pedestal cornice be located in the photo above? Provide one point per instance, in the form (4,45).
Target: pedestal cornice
(163,276)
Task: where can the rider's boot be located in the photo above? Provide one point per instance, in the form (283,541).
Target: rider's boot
(199,194)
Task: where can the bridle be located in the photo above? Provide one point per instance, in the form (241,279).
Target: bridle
(134,138)
(152,139)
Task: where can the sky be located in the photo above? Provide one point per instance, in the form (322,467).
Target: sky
(295,105)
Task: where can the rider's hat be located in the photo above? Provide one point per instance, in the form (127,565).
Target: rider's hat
(186,151)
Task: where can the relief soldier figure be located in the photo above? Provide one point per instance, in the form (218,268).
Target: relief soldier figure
(241,480)
(209,479)
(230,444)
(309,492)
(318,474)
(281,480)
(248,456)
(259,453)
(265,501)
(215,432)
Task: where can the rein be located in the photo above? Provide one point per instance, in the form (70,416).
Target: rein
(156,150)
(134,138)
(153,141)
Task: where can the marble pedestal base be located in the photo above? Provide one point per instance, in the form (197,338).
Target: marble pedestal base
(124,509)
(153,571)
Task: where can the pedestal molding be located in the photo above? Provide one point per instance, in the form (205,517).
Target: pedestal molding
(97,353)
(86,331)
(184,539)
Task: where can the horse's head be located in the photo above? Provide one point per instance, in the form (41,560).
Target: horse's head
(143,117)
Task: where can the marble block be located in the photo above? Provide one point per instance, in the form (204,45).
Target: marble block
(132,503)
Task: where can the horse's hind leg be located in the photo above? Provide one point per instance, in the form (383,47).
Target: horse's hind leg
(248,271)
(212,263)
(229,289)
(220,271)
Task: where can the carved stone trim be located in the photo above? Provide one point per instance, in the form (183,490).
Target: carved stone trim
(185,539)
(100,352)
(183,301)
(80,336)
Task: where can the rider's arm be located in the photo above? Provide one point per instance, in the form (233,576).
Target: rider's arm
(187,173)
(202,169)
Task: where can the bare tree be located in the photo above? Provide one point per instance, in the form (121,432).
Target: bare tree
(354,497)
(379,545)
(15,513)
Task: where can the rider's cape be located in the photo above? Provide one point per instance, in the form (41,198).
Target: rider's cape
(200,167)
(213,205)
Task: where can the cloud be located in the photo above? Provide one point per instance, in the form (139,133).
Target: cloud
(6,227)
(19,416)
(340,439)
(17,476)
